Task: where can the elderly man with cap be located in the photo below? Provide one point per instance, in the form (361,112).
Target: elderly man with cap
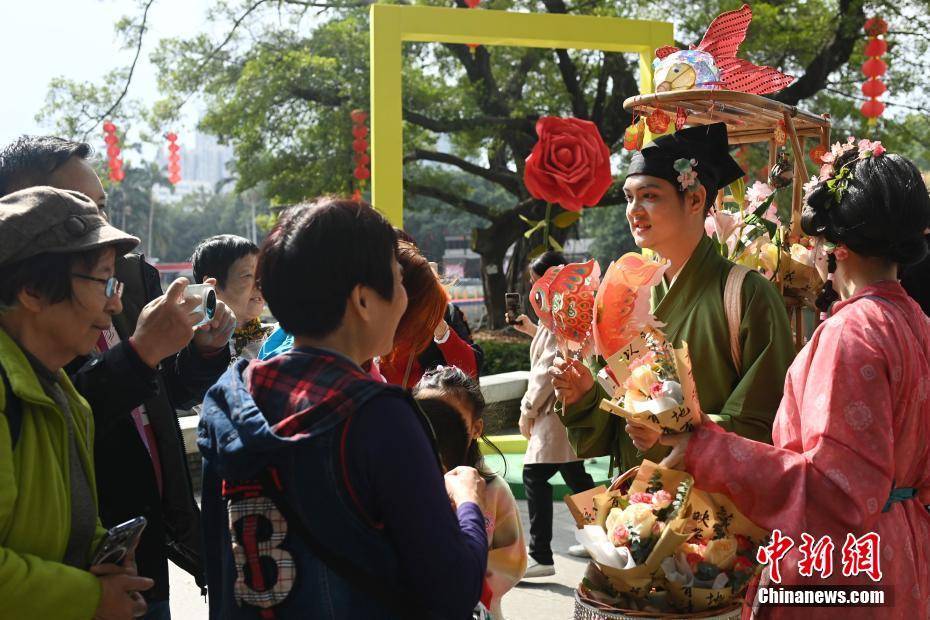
(739,370)
(148,362)
(58,293)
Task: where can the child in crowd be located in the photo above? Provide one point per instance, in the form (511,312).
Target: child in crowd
(446,389)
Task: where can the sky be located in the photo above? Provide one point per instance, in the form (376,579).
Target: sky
(43,39)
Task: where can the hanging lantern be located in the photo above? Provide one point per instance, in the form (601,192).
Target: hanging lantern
(633,136)
(681,117)
(113,152)
(816,153)
(360,149)
(658,122)
(174,158)
(874,68)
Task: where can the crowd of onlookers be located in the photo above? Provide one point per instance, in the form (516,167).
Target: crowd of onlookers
(342,472)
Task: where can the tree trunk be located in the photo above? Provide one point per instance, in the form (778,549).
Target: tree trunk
(494,281)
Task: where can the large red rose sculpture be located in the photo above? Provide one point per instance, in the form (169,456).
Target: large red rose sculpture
(570,164)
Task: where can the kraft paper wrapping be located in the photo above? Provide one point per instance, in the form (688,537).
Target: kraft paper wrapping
(667,420)
(637,582)
(713,516)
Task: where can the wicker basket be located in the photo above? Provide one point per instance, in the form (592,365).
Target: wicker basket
(589,609)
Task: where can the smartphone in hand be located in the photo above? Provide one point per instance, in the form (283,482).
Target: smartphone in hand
(512,302)
(118,541)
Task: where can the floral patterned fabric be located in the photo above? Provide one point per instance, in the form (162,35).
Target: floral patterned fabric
(854,422)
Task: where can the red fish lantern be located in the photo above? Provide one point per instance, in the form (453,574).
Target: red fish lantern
(113,152)
(174,158)
(873,68)
(360,148)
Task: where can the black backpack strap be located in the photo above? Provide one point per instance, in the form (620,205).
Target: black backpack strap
(13,409)
(399,602)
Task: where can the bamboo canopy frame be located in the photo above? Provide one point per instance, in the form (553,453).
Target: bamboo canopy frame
(750,119)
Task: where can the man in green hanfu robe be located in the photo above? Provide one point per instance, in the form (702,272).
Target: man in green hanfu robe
(670,187)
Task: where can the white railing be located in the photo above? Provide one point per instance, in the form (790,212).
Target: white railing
(504,387)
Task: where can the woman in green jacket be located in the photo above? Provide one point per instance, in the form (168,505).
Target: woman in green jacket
(57,295)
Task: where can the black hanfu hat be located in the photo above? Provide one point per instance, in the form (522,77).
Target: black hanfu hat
(702,150)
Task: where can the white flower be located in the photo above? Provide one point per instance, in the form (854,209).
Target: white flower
(636,518)
(809,187)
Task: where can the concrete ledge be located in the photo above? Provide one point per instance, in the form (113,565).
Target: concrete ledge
(497,389)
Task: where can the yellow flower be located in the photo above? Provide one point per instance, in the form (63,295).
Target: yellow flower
(636,518)
(769,257)
(721,553)
(643,378)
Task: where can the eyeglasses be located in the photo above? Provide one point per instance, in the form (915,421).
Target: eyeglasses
(113,287)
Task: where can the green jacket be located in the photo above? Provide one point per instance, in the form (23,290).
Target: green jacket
(35,511)
(742,400)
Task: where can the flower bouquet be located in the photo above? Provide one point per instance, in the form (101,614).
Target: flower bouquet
(636,528)
(715,565)
(658,389)
(649,381)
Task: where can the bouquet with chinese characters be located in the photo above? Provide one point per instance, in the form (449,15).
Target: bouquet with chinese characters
(641,520)
(714,566)
(650,382)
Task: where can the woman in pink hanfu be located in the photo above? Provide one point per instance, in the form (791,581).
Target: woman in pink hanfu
(851,453)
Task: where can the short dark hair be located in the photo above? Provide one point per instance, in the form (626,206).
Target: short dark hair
(547,260)
(213,257)
(30,160)
(316,255)
(47,275)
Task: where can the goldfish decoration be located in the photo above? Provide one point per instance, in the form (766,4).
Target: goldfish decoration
(621,306)
(713,63)
(564,302)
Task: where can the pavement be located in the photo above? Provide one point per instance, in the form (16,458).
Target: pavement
(545,598)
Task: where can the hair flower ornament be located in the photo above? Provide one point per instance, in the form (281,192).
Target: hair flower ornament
(687,177)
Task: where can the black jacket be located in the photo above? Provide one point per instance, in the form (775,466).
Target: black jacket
(115,383)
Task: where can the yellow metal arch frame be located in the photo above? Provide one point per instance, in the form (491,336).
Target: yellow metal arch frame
(392,25)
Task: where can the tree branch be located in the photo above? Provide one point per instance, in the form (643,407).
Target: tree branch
(567,68)
(316,95)
(454,200)
(132,69)
(463,124)
(834,55)
(906,106)
(507,180)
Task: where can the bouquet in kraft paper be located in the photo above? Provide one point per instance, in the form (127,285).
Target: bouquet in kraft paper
(650,382)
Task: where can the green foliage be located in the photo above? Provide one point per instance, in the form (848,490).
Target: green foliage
(611,233)
(504,356)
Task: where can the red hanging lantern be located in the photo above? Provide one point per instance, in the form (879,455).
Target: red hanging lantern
(174,158)
(872,109)
(113,152)
(658,122)
(873,68)
(360,148)
(875,26)
(816,153)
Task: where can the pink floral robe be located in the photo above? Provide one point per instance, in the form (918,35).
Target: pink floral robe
(855,419)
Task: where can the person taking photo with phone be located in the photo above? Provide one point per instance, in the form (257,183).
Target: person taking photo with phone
(547,451)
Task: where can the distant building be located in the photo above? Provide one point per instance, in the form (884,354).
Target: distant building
(460,261)
(203,166)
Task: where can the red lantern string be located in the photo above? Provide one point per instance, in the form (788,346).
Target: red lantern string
(174,158)
(360,148)
(874,68)
(113,151)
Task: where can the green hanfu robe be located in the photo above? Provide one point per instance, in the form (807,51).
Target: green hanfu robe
(741,400)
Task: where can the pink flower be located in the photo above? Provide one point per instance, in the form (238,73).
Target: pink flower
(656,389)
(709,223)
(868,148)
(641,498)
(877,149)
(809,187)
(725,224)
(620,537)
(642,360)
(758,193)
(687,179)
(661,499)
(826,171)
